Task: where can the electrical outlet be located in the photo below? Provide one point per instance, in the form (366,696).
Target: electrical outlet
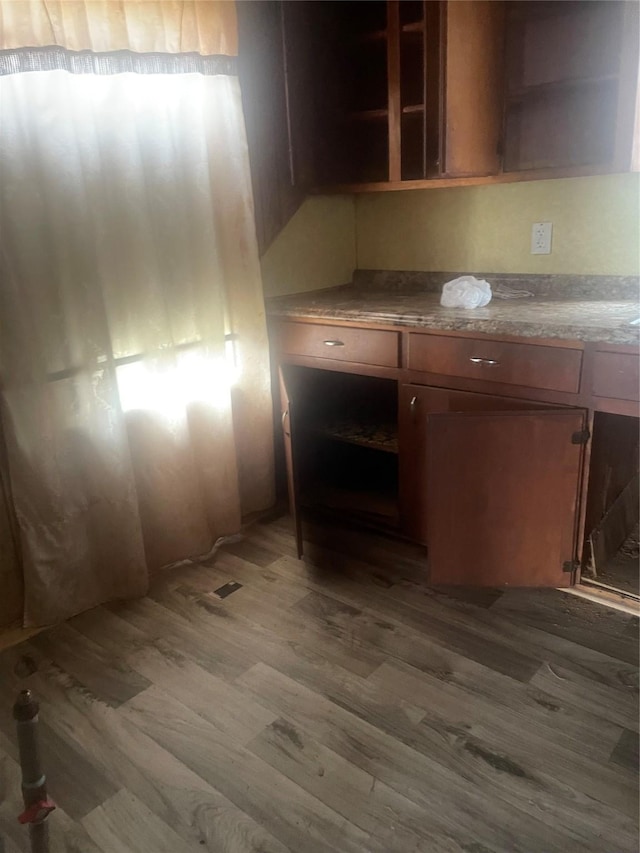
(541,238)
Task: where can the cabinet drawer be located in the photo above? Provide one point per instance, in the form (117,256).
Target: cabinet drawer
(549,368)
(616,375)
(363,346)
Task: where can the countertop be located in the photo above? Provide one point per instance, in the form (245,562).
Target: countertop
(539,316)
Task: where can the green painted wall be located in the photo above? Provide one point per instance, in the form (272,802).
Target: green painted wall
(315,249)
(596,231)
(596,227)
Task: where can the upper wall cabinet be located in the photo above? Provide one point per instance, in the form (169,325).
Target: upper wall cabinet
(571,84)
(388,95)
(261,69)
(401,90)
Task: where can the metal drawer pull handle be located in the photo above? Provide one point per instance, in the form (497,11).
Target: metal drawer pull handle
(412,404)
(334,343)
(477,360)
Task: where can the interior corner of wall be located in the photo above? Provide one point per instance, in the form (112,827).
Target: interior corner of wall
(354,220)
(316,248)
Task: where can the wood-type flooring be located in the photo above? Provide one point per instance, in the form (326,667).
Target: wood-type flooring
(334,704)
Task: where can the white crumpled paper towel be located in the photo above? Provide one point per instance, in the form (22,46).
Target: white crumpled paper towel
(466,292)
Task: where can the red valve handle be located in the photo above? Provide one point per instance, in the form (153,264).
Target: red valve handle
(37,812)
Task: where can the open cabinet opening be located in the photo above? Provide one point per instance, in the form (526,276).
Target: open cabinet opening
(352,479)
(611,523)
(347,447)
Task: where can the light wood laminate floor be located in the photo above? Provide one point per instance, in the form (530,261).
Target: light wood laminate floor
(336,704)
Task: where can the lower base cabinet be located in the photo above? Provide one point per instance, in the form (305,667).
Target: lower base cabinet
(491,485)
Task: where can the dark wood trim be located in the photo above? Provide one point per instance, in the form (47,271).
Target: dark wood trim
(340,366)
(288,418)
(623,349)
(448,382)
(616,407)
(393,88)
(586,383)
(434,89)
(559,398)
(470,181)
(583,494)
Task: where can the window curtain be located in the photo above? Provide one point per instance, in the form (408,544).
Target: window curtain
(134,378)
(206,27)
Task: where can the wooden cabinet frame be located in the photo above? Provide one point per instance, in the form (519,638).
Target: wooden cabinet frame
(438,418)
(465,100)
(290,437)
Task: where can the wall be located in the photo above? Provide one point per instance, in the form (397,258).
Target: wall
(596,227)
(596,231)
(315,249)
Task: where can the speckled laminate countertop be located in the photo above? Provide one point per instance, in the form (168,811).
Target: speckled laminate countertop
(539,316)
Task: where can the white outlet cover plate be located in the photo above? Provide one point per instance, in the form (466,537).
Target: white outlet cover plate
(541,238)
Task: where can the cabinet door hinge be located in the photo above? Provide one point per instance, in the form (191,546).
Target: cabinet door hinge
(582,436)
(570,566)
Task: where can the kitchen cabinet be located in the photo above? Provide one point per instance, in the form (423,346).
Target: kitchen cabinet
(571,72)
(491,486)
(261,72)
(401,90)
(411,432)
(393,95)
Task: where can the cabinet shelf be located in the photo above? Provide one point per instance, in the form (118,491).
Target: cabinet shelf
(377,436)
(367,38)
(412,109)
(368,115)
(377,505)
(413,27)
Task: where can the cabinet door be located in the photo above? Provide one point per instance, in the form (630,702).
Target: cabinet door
(491,486)
(290,436)
(302,28)
(277,193)
(416,402)
(473,40)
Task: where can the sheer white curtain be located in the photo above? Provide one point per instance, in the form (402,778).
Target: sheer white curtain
(136,433)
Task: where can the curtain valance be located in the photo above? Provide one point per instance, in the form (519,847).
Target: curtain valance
(206,27)
(56,58)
